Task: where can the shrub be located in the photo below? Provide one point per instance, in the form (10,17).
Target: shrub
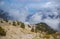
(45,28)
(10,23)
(29,26)
(32,30)
(6,20)
(2,32)
(22,25)
(1,21)
(18,23)
(14,23)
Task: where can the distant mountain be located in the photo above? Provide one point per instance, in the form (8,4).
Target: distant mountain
(46,13)
(5,15)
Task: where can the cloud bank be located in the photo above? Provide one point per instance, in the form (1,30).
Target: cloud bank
(34,11)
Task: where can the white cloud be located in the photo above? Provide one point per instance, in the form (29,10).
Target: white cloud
(53,23)
(20,11)
(17,15)
(48,4)
(35,18)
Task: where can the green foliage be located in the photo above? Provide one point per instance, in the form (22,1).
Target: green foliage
(14,23)
(45,28)
(22,25)
(2,32)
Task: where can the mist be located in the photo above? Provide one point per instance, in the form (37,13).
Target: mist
(34,12)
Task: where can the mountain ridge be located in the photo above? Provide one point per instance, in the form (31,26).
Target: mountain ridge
(14,30)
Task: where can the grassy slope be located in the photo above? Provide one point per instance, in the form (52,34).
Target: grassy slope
(16,32)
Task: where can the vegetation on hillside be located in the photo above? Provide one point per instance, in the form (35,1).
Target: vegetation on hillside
(4,15)
(39,28)
(18,23)
(6,20)
(44,28)
(22,25)
(32,30)
(14,23)
(2,32)
(1,21)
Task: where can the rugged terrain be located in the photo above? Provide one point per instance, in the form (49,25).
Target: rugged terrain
(18,30)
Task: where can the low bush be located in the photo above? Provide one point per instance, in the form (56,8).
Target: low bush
(32,30)
(6,20)
(2,32)
(22,25)
(45,28)
(1,21)
(18,23)
(14,23)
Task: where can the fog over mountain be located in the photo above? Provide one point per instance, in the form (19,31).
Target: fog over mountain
(32,11)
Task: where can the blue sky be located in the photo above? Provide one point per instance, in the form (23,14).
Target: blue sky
(33,11)
(18,4)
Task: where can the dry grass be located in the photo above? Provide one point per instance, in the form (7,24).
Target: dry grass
(16,32)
